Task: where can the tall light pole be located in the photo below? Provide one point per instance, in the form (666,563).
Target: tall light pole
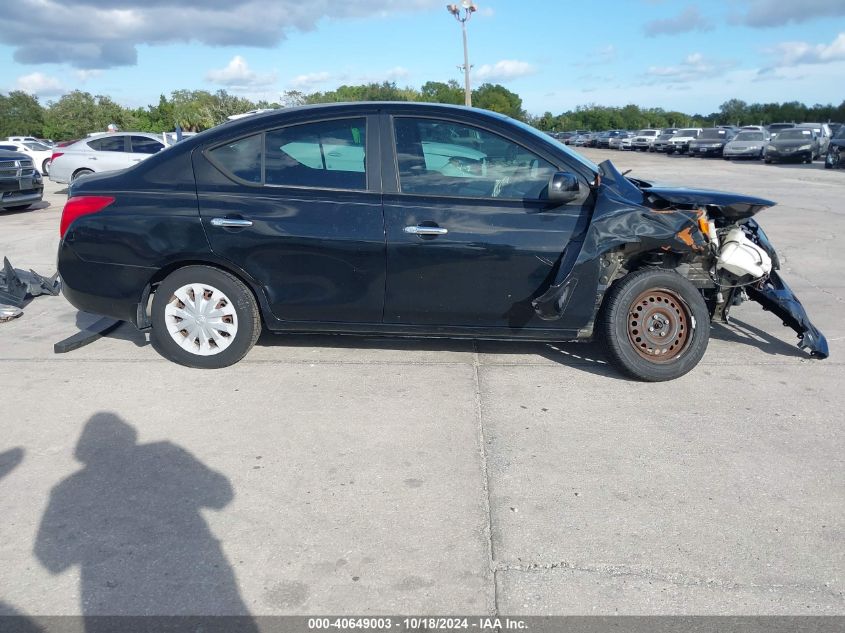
(462,14)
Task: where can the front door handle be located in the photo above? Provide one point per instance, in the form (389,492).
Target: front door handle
(425,230)
(230,222)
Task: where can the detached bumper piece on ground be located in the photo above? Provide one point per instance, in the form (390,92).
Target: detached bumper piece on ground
(18,287)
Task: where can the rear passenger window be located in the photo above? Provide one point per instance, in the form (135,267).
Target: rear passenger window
(241,158)
(145,145)
(108,144)
(328,154)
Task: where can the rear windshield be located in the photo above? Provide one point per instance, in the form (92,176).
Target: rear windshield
(749,136)
(713,133)
(793,133)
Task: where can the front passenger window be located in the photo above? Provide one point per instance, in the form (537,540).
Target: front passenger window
(452,159)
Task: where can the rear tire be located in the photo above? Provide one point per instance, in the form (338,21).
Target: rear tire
(45,167)
(655,325)
(79,173)
(210,333)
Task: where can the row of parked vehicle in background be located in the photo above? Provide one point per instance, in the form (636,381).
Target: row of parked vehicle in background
(804,142)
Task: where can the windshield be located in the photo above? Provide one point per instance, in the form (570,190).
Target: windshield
(713,133)
(647,133)
(560,146)
(687,133)
(795,134)
(749,136)
(38,147)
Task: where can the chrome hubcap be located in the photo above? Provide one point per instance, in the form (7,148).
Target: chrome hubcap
(201,319)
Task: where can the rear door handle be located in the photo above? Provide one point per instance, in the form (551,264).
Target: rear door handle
(425,230)
(230,222)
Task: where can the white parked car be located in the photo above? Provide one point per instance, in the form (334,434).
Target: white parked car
(38,152)
(103,152)
(644,139)
(680,142)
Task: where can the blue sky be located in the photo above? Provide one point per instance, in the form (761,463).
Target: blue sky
(690,56)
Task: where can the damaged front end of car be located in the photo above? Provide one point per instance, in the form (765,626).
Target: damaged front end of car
(708,237)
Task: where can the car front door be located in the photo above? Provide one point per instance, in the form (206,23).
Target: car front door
(470,238)
(298,208)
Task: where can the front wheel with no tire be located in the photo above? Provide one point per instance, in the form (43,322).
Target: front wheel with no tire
(204,317)
(655,325)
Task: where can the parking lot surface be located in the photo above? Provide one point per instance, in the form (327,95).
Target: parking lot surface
(350,475)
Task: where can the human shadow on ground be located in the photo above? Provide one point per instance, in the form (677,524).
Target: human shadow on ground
(131,520)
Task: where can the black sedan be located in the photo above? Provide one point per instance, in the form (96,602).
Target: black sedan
(711,141)
(794,144)
(416,220)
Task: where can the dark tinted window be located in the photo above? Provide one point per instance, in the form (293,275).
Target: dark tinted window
(713,134)
(328,154)
(11,148)
(145,145)
(108,144)
(241,158)
(446,158)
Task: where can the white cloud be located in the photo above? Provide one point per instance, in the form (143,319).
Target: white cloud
(503,70)
(40,85)
(106,33)
(238,75)
(85,75)
(396,73)
(798,53)
(766,13)
(309,81)
(693,67)
(690,19)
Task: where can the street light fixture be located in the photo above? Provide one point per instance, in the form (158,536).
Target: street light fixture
(462,14)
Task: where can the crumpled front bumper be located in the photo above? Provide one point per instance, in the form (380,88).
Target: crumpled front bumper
(777,297)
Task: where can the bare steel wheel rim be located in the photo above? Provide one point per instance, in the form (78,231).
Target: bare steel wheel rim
(201,319)
(660,325)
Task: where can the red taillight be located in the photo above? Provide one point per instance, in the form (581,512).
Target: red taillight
(78,206)
(56,155)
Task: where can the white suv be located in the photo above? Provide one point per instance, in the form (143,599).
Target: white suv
(644,139)
(680,142)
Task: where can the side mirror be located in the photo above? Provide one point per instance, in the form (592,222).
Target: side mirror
(563,187)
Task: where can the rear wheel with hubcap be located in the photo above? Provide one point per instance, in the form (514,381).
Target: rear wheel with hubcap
(79,173)
(655,325)
(204,317)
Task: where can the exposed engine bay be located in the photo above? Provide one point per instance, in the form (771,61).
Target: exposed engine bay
(708,237)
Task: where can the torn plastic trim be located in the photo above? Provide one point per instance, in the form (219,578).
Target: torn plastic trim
(777,297)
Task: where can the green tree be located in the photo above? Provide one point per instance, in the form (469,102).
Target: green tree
(439,92)
(21,114)
(499,99)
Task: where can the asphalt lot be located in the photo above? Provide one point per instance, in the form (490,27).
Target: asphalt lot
(350,476)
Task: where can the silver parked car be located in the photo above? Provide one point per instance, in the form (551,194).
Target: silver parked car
(746,144)
(102,152)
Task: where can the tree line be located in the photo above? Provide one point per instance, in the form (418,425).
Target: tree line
(78,113)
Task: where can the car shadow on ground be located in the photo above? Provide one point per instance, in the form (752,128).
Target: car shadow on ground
(587,357)
(38,206)
(736,331)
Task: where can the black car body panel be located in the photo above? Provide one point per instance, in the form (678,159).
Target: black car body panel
(333,260)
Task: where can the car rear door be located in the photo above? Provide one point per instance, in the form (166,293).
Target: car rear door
(298,209)
(142,147)
(109,153)
(470,239)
